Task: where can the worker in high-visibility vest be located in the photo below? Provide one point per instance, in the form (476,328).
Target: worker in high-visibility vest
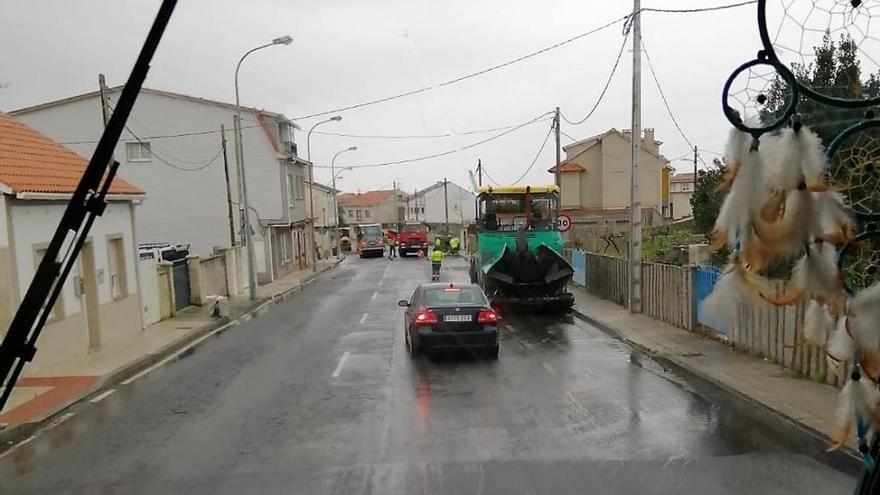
(436,258)
(453,246)
(437,242)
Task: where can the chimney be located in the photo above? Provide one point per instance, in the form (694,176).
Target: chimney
(649,140)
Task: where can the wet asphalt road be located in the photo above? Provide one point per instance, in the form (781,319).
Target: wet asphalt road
(317,395)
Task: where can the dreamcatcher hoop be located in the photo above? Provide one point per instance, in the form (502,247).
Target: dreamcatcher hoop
(807,91)
(791,105)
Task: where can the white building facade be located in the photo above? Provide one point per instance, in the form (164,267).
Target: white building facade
(172,148)
(429,205)
(99,302)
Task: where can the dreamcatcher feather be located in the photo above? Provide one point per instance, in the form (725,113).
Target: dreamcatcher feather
(818,323)
(858,397)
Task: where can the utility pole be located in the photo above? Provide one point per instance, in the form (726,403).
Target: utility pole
(480,172)
(558,151)
(236,125)
(558,160)
(695,167)
(446,202)
(635,221)
(228,185)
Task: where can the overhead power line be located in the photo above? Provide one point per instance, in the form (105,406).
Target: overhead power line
(539,118)
(604,89)
(577,37)
(698,10)
(535,160)
(665,101)
(471,75)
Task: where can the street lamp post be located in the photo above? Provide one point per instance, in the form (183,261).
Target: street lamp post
(335,201)
(252,278)
(335,118)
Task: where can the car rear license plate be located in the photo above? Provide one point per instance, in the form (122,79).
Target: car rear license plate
(457,318)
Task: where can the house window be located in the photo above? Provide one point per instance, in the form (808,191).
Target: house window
(291,192)
(284,241)
(116,268)
(423,210)
(301,186)
(138,152)
(350,213)
(366,213)
(358,213)
(58,308)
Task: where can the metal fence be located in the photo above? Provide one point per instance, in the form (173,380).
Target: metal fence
(705,278)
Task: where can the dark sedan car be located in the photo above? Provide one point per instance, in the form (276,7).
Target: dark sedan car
(449,316)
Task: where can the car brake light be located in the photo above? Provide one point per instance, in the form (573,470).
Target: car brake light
(490,317)
(426,317)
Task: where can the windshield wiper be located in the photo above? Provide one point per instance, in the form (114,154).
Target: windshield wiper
(88,201)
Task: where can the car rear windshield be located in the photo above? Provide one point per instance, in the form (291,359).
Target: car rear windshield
(457,296)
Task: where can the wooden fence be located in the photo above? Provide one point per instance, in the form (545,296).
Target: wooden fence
(669,294)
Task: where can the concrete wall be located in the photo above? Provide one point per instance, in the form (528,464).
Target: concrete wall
(570,186)
(589,184)
(461,205)
(681,205)
(149,292)
(617,172)
(33,223)
(8,274)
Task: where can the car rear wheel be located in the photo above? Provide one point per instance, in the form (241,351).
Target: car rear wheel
(412,349)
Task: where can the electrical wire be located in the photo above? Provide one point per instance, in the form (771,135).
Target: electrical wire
(486,173)
(665,101)
(569,137)
(698,10)
(535,160)
(416,136)
(472,74)
(539,118)
(604,89)
(625,18)
(158,156)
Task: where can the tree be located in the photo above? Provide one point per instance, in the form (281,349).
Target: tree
(835,72)
(706,200)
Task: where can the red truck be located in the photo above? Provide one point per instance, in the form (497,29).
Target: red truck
(412,238)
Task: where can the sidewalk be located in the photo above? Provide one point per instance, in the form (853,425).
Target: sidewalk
(60,377)
(810,404)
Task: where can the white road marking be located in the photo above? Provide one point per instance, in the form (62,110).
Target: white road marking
(99,398)
(573,401)
(339,366)
(147,371)
(364,318)
(374,295)
(549,367)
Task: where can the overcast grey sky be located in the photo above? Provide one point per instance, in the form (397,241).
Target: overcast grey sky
(348,51)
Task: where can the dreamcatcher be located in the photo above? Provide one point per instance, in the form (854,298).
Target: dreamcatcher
(802,196)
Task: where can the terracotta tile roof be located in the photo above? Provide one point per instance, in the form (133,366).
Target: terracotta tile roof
(567,167)
(31,162)
(369,198)
(688,177)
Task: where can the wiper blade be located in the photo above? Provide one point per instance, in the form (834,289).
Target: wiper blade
(87,203)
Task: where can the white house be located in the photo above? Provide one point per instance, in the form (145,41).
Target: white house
(99,302)
(429,204)
(681,188)
(172,147)
(322,196)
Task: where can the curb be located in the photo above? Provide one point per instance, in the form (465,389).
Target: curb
(12,435)
(842,458)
